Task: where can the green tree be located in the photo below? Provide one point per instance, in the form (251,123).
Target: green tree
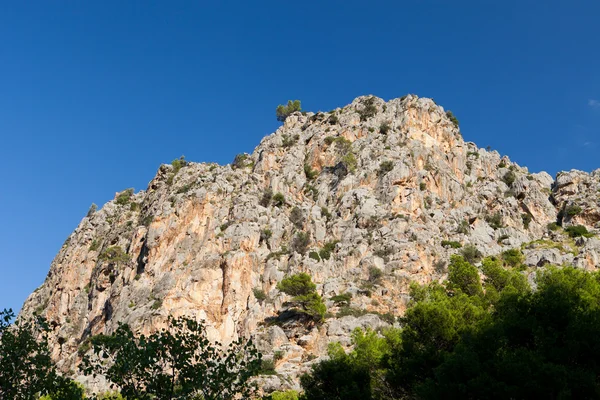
(175,363)
(26,369)
(305,295)
(282,112)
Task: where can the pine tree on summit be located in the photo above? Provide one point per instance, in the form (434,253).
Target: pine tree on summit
(282,112)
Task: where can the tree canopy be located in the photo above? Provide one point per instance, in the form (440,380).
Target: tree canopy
(282,112)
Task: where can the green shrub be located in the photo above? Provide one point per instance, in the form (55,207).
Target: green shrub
(422,186)
(553,226)
(157,304)
(471,253)
(282,112)
(527,218)
(573,210)
(135,207)
(124,197)
(242,160)
(375,274)
(259,294)
(328,248)
(266,197)
(267,367)
(305,295)
(312,191)
(513,257)
(452,118)
(509,178)
(385,167)
(350,162)
(278,200)
(265,234)
(300,242)
(309,172)
(451,243)
(495,220)
(297,217)
(333,119)
(287,395)
(110,396)
(384,128)
(463,227)
(178,164)
(369,109)
(289,141)
(114,255)
(314,255)
(578,231)
(95,245)
(325,213)
(342,299)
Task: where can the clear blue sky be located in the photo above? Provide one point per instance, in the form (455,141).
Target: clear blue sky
(94,96)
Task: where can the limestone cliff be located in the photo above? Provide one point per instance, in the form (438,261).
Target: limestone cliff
(383,183)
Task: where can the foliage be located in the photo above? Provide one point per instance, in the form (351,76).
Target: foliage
(259,294)
(375,274)
(385,167)
(282,112)
(342,299)
(288,141)
(451,243)
(124,197)
(509,178)
(452,118)
(513,257)
(349,160)
(573,210)
(242,160)
(287,395)
(92,210)
(471,253)
(328,248)
(368,110)
(578,231)
(309,172)
(527,218)
(384,128)
(95,245)
(178,163)
(553,226)
(304,294)
(177,362)
(114,255)
(300,242)
(297,217)
(314,255)
(26,369)
(266,197)
(494,220)
(278,200)
(422,186)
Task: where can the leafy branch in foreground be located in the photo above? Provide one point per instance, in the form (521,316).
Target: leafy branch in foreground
(175,363)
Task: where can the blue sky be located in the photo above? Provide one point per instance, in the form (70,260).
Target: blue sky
(94,96)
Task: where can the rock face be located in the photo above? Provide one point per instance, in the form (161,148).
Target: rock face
(383,183)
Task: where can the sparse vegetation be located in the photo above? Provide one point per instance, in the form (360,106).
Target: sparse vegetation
(375,274)
(309,172)
(328,248)
(452,118)
(342,299)
(471,253)
(282,112)
(385,128)
(494,220)
(288,141)
(509,178)
(385,167)
(368,110)
(527,218)
(573,210)
(266,197)
(114,255)
(259,294)
(451,243)
(305,295)
(300,242)
(297,217)
(278,200)
(578,231)
(124,197)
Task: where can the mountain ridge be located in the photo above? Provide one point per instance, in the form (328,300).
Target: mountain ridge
(383,186)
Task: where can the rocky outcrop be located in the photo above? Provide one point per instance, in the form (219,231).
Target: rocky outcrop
(376,186)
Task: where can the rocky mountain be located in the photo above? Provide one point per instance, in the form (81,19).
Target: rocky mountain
(366,199)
